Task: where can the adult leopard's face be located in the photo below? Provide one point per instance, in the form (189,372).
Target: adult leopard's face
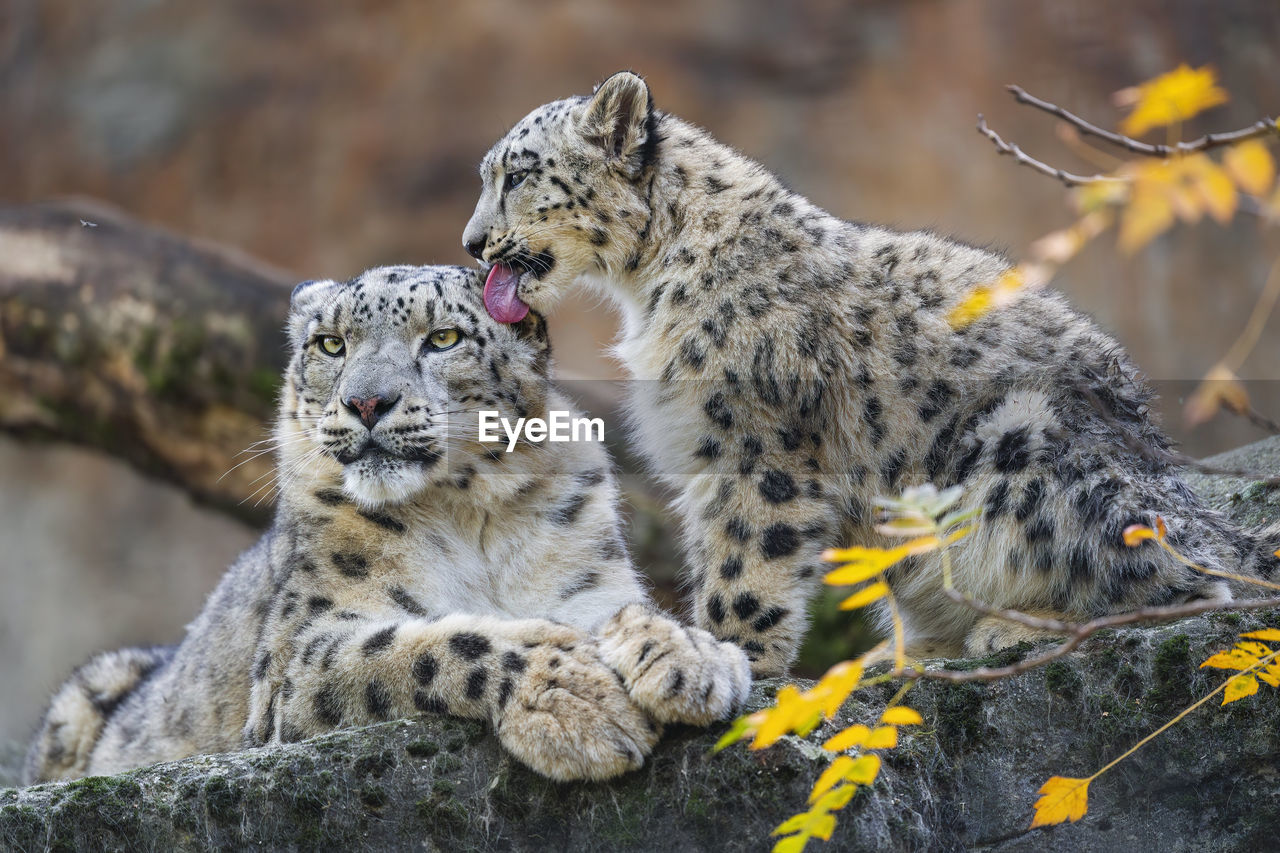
(564,193)
(387,375)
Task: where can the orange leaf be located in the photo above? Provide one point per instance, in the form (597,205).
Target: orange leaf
(1170,98)
(1250,166)
(901,715)
(1061,799)
(1220,388)
(1136,534)
(865,596)
(1239,687)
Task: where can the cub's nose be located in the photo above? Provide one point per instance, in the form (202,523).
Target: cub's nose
(371,409)
(475,247)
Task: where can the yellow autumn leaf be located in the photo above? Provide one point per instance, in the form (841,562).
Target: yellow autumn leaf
(855,735)
(737,732)
(1271,675)
(795,823)
(836,772)
(1170,98)
(823,826)
(1061,799)
(901,715)
(1234,659)
(986,297)
(1239,687)
(790,711)
(835,799)
(836,686)
(885,737)
(864,770)
(1253,648)
(1136,534)
(853,573)
(865,596)
(1214,186)
(860,564)
(1220,388)
(1272,634)
(1250,165)
(1148,215)
(791,844)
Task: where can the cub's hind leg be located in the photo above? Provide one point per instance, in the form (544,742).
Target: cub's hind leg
(80,710)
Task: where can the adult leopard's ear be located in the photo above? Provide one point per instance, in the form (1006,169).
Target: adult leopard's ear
(308,293)
(305,301)
(620,119)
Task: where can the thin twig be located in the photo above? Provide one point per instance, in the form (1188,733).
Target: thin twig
(1262,127)
(1027,160)
(1077,634)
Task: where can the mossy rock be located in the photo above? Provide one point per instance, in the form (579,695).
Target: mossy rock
(965,779)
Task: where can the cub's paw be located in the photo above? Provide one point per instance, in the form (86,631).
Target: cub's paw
(566,716)
(676,674)
(991,634)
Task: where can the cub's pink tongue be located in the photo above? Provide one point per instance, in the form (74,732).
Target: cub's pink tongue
(500,298)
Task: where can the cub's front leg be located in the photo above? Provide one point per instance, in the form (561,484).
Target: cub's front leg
(553,704)
(756,527)
(676,674)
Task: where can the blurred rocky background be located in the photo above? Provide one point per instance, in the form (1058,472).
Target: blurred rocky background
(325,137)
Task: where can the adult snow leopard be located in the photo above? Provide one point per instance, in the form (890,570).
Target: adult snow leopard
(790,366)
(412,568)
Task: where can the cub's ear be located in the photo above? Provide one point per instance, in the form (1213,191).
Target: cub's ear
(620,119)
(533,331)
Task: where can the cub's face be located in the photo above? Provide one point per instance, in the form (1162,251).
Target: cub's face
(563,194)
(388,373)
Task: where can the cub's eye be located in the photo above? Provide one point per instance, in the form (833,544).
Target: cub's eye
(515,179)
(444,339)
(332,345)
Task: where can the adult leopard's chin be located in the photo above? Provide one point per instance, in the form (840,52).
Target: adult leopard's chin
(376,481)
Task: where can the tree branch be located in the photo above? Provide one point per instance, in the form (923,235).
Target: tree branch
(1262,127)
(1027,160)
(1076,633)
(157,348)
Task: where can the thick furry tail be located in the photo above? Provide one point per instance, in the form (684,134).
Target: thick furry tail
(1263,558)
(81,708)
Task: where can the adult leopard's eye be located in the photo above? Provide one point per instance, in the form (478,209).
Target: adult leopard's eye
(515,179)
(444,339)
(332,345)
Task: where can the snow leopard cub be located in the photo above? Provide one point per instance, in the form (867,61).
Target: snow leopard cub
(790,366)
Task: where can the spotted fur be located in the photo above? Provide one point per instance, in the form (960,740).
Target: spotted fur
(791,366)
(412,569)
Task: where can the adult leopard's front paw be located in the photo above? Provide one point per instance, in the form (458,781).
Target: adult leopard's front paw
(676,674)
(567,717)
